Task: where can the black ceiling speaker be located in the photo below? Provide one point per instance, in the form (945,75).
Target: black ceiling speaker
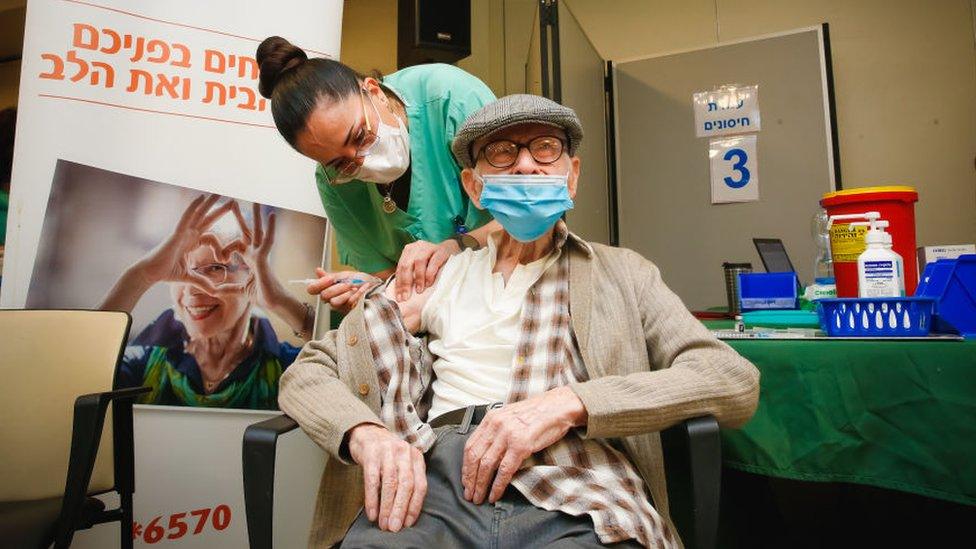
(433,31)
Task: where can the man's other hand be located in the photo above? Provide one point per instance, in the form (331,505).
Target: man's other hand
(394,476)
(508,435)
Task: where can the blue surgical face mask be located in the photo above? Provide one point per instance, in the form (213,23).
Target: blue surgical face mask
(526,205)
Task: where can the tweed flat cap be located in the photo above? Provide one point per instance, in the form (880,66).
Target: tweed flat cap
(511,110)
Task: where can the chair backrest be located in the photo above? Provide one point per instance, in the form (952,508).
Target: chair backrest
(47,360)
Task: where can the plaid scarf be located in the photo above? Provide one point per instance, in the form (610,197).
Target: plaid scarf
(574,475)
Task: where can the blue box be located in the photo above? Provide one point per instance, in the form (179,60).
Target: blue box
(952,284)
(767,291)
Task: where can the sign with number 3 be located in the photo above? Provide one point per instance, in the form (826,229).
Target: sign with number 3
(735,170)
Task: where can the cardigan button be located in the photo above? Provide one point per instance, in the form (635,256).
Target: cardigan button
(363,389)
(353,340)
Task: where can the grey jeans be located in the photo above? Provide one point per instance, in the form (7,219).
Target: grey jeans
(448,520)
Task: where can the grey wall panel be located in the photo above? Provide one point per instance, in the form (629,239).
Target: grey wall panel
(582,75)
(664,186)
(521,24)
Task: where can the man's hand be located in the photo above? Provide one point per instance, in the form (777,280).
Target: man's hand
(394,474)
(508,435)
(410,308)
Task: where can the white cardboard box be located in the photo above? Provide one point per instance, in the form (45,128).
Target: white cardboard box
(928,254)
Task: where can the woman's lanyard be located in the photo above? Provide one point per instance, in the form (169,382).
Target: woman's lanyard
(399,190)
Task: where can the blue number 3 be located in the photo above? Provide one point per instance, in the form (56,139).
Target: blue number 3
(739,166)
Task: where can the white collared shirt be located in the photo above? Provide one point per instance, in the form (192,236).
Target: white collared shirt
(473,318)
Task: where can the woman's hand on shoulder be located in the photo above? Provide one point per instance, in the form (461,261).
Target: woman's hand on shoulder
(419,264)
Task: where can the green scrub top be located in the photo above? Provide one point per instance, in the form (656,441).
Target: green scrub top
(438,99)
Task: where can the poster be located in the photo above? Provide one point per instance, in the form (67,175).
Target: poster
(205,277)
(148,106)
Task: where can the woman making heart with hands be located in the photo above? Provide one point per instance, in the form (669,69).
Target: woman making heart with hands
(209,349)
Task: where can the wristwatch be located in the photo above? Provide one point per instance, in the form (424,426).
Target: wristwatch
(466,241)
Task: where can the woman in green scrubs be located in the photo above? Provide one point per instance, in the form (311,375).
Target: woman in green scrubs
(388,181)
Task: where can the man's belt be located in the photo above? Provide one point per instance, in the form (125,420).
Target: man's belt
(465,417)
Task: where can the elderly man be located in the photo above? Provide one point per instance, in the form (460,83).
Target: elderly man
(528,414)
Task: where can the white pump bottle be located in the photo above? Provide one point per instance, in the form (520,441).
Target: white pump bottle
(880,270)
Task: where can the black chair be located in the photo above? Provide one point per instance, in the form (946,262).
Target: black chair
(48,359)
(692,452)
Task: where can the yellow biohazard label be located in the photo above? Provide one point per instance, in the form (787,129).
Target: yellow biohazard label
(847,242)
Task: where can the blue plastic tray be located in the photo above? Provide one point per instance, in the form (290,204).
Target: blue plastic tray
(876,316)
(952,283)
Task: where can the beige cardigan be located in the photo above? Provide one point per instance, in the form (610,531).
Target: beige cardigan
(651,365)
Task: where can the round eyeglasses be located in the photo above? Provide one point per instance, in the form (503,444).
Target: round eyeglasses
(504,153)
(345,169)
(222,273)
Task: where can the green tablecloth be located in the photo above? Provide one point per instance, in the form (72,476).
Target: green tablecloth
(894,414)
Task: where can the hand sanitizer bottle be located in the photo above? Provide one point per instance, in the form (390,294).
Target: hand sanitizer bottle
(880,270)
(824,284)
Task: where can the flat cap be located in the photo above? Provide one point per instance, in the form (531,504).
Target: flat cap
(509,111)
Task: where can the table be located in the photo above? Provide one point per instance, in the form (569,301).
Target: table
(892,414)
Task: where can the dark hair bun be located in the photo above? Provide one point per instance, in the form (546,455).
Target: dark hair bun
(276,55)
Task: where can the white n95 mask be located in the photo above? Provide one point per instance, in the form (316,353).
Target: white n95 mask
(389,157)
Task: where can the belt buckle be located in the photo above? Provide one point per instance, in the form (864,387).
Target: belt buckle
(466,421)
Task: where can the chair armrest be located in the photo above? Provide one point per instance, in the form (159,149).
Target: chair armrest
(86,433)
(260,447)
(129,393)
(693,464)
(124,438)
